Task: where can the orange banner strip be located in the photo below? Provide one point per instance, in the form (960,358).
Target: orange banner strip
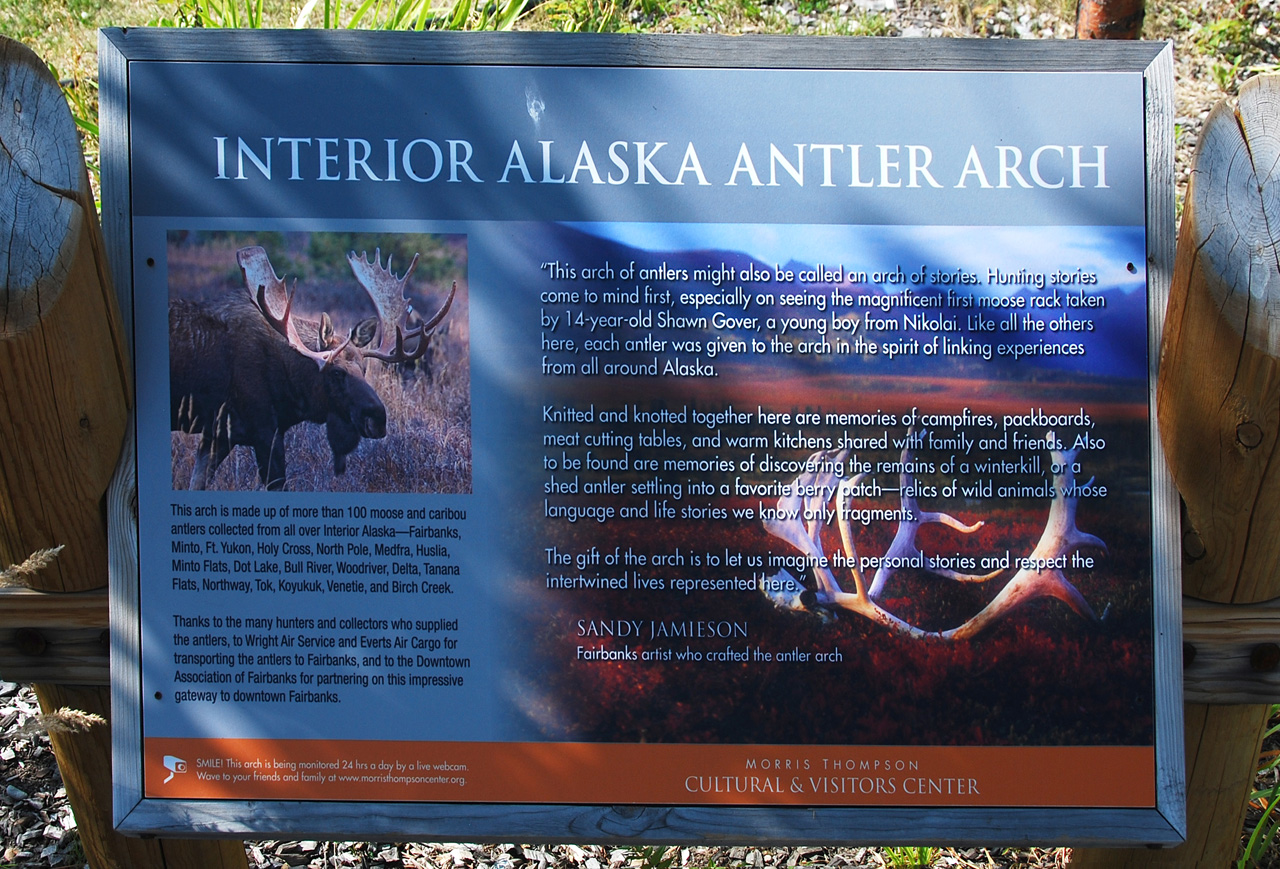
(599,773)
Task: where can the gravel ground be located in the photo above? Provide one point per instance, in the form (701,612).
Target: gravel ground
(35,819)
(37,824)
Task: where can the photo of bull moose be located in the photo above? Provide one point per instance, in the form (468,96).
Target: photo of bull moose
(309,362)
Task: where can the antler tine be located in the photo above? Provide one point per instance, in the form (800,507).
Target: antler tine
(804,534)
(281,323)
(284,325)
(257,270)
(1041,574)
(1065,516)
(1060,536)
(790,527)
(386,291)
(822,478)
(1026,586)
(843,496)
(904,545)
(791,530)
(398,353)
(444,309)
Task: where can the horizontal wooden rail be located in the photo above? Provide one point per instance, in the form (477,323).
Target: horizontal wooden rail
(25,608)
(1231,651)
(55,638)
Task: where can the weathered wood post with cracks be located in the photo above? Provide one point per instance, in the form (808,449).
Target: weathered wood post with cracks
(64,403)
(1219,411)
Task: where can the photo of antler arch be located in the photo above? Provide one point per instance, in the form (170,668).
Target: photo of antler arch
(319,362)
(922,560)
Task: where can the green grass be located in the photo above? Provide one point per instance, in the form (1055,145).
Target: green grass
(910,857)
(659,857)
(584,16)
(1264,803)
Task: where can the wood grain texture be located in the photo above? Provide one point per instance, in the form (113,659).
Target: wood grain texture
(85,762)
(65,656)
(1219,395)
(561,49)
(1166,557)
(652,824)
(126,633)
(1218,403)
(64,395)
(1224,638)
(27,608)
(54,637)
(40,186)
(1220,768)
(122,501)
(113,132)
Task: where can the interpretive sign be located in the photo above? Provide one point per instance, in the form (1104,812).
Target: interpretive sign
(643,438)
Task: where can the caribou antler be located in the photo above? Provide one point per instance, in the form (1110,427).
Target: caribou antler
(270,293)
(798,521)
(903,549)
(1039,575)
(396,315)
(798,518)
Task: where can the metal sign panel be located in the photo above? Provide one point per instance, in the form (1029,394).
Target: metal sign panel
(649,439)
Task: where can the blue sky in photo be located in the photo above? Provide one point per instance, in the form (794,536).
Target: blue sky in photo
(1104,250)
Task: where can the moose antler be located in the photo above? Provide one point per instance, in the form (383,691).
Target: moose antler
(395,309)
(270,293)
(903,549)
(1039,575)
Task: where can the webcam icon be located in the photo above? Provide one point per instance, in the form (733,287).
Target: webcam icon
(175,765)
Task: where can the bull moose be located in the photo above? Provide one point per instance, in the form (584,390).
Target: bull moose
(242,374)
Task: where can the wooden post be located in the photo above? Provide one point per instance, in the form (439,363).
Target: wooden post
(1109,19)
(1219,411)
(64,404)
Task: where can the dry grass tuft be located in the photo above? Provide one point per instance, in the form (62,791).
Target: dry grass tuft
(64,720)
(15,575)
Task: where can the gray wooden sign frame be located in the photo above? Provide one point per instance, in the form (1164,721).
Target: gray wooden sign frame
(1163,825)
